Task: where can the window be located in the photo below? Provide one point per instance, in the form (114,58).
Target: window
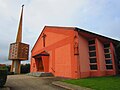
(106,45)
(92,54)
(93,67)
(107,55)
(91,48)
(109,67)
(108,61)
(106,50)
(91,42)
(93,60)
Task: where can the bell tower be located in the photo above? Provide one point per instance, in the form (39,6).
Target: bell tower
(18,51)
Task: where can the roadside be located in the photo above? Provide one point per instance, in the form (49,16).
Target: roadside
(24,82)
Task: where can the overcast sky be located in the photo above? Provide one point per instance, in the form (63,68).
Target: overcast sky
(99,16)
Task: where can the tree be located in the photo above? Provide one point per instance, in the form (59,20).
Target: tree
(118,51)
(25,68)
(3,74)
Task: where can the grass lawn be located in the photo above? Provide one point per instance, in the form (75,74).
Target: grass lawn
(98,83)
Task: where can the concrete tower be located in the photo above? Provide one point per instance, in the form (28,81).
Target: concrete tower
(18,51)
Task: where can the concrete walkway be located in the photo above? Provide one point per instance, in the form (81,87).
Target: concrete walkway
(24,82)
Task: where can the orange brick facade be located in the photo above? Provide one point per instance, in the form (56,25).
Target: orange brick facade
(73,53)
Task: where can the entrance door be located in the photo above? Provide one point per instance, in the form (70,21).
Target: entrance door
(39,63)
(42,62)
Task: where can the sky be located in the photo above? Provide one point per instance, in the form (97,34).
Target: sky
(98,16)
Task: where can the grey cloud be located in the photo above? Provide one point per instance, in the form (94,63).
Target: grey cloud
(97,16)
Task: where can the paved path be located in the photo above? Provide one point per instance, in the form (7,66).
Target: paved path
(24,82)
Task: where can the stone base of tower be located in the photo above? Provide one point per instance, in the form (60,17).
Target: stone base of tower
(15,67)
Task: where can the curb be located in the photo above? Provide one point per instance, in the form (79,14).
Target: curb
(63,86)
(69,86)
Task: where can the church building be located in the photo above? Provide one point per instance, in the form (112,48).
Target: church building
(74,53)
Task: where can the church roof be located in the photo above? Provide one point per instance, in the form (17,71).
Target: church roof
(85,33)
(97,35)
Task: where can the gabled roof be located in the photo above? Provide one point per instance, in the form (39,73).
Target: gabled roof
(97,35)
(81,31)
(51,27)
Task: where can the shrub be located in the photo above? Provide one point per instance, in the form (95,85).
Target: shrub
(3,75)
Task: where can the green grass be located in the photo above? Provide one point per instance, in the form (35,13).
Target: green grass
(98,83)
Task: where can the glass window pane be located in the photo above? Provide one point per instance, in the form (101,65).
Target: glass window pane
(107,50)
(92,54)
(108,61)
(93,60)
(91,48)
(107,55)
(109,67)
(106,45)
(91,42)
(93,67)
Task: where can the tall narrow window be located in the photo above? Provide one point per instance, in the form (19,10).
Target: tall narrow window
(108,56)
(92,55)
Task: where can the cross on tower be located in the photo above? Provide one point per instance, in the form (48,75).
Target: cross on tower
(44,36)
(18,50)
